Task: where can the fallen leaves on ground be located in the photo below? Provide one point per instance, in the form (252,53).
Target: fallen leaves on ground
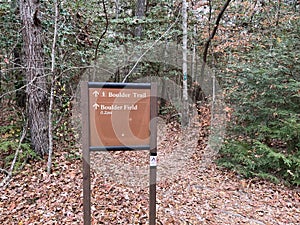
(197,195)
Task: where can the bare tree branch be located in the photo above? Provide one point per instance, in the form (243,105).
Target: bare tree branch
(4,171)
(104,32)
(147,50)
(6,180)
(212,35)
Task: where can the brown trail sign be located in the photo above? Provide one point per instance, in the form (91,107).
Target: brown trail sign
(118,116)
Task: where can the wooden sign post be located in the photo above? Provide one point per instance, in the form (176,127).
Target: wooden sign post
(118,117)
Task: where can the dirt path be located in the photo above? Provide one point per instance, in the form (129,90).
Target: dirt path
(193,194)
(209,197)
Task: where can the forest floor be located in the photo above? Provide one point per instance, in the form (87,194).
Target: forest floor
(188,191)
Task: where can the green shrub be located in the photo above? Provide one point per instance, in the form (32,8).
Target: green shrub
(257,159)
(264,91)
(9,143)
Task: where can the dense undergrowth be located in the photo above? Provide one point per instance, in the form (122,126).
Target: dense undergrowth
(263,89)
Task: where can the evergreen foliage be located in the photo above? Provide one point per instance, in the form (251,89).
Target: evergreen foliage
(9,142)
(264,90)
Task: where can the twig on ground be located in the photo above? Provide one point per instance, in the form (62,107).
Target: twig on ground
(4,171)
(6,180)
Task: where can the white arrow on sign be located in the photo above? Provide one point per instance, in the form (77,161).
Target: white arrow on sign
(96,106)
(153,160)
(96,93)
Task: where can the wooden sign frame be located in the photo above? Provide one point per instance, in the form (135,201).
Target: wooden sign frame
(139,101)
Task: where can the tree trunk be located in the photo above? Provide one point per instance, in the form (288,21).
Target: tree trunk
(184,119)
(19,78)
(140,13)
(53,78)
(36,89)
(117,10)
(17,72)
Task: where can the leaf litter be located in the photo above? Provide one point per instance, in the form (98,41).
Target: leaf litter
(195,195)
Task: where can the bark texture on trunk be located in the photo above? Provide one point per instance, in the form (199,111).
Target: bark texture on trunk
(37,90)
(184,120)
(140,13)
